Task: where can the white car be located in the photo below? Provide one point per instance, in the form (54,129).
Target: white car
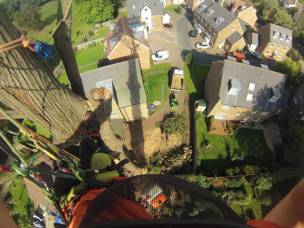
(201,45)
(160,55)
(206,40)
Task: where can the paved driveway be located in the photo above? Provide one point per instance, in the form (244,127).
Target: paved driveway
(175,40)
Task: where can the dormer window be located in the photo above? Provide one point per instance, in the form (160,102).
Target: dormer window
(275,35)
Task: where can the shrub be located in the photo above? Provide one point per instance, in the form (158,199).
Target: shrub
(172,123)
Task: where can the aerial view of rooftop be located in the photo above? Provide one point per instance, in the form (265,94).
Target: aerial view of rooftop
(152,113)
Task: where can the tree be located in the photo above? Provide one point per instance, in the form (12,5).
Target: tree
(282,17)
(28,86)
(295,55)
(172,123)
(28,17)
(289,67)
(96,11)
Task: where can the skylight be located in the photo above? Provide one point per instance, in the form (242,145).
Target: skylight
(251,86)
(249,97)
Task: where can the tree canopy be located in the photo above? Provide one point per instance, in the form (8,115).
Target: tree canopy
(28,17)
(96,11)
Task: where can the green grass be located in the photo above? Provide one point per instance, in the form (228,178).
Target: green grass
(87,59)
(48,16)
(247,142)
(156,83)
(171,9)
(195,75)
(21,204)
(101,33)
(79,28)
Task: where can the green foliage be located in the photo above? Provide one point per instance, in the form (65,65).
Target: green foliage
(271,12)
(264,182)
(178,10)
(96,11)
(172,123)
(189,58)
(295,55)
(233,171)
(233,182)
(173,161)
(204,182)
(282,17)
(289,67)
(28,17)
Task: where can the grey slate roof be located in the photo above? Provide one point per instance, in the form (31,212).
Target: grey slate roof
(134,7)
(234,37)
(201,15)
(252,38)
(127,81)
(267,83)
(268,31)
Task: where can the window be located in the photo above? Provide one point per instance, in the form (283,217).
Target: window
(249,97)
(220,116)
(251,86)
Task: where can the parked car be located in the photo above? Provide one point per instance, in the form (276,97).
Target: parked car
(206,39)
(201,45)
(256,55)
(193,33)
(160,55)
(240,56)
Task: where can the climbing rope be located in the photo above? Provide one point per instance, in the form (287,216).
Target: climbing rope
(42,50)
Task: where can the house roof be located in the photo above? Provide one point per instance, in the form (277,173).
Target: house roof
(123,28)
(216,16)
(269,31)
(127,81)
(265,84)
(134,7)
(252,38)
(234,37)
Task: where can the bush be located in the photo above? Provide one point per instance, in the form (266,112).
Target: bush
(264,182)
(172,123)
(178,10)
(203,182)
(289,67)
(295,55)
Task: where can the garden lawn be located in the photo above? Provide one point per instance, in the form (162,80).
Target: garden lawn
(247,142)
(195,76)
(48,13)
(172,9)
(156,82)
(87,59)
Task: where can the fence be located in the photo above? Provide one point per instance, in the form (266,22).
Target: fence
(89,43)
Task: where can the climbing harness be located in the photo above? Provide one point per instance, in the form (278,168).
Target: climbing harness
(101,170)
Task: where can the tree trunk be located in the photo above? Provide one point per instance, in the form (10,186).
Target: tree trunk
(62,37)
(29,87)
